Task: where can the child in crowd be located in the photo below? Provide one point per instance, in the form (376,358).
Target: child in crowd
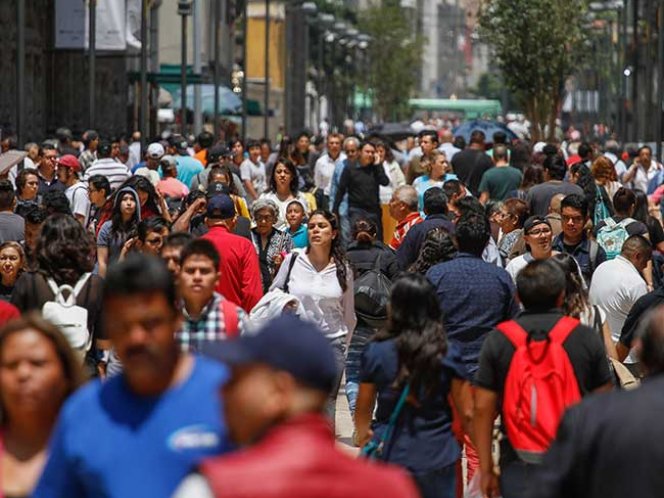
(297,228)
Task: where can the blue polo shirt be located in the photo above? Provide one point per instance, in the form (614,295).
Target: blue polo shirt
(112,443)
(188,168)
(422,440)
(474,297)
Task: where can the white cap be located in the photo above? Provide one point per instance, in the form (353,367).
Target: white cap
(539,147)
(155,150)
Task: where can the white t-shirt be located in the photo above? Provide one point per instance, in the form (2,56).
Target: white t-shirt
(322,298)
(77,195)
(615,287)
(255,173)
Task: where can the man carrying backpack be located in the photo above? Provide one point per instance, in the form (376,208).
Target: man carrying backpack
(533,368)
(207,315)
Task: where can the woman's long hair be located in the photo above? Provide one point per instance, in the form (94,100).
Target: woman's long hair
(336,251)
(438,247)
(416,322)
(587,183)
(641,206)
(576,296)
(65,251)
(118,226)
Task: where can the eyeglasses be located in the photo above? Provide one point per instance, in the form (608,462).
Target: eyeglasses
(264,218)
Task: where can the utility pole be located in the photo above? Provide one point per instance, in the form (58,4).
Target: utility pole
(217,22)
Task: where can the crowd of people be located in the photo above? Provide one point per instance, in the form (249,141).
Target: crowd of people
(178,320)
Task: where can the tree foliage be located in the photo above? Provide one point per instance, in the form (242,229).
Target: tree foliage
(538,44)
(394,58)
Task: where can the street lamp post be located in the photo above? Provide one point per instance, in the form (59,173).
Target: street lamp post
(217,22)
(92,37)
(143,115)
(20,71)
(266,111)
(336,89)
(324,21)
(363,45)
(184,10)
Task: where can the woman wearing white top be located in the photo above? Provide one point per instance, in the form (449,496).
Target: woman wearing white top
(283,188)
(320,278)
(578,306)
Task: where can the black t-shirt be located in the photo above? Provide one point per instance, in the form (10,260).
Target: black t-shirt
(583,346)
(469,165)
(655,231)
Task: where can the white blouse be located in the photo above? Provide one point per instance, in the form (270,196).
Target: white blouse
(323,300)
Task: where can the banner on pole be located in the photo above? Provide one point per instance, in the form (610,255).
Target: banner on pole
(72,24)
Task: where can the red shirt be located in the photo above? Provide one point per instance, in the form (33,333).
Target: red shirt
(402,228)
(240,280)
(8,312)
(298,459)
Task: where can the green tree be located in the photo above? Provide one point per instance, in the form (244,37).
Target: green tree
(538,44)
(394,58)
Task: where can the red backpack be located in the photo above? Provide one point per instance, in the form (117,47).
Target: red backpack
(540,385)
(231,318)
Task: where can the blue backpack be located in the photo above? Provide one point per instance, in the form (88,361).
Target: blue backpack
(612,236)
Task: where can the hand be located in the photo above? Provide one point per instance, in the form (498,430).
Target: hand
(199,205)
(364,438)
(489,484)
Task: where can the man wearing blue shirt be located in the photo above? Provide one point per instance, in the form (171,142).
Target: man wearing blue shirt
(188,167)
(139,433)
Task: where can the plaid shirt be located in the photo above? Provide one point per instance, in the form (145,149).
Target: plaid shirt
(402,228)
(209,327)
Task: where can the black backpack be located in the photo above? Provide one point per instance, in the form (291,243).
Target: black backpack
(372,294)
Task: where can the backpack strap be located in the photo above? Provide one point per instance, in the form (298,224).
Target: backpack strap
(514,332)
(561,330)
(81,283)
(594,250)
(231,319)
(290,269)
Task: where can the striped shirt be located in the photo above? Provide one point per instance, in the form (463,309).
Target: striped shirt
(114,171)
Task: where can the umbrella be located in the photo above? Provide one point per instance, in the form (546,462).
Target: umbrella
(488,127)
(393,131)
(229,102)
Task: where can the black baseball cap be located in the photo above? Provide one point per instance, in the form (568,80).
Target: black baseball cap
(217,153)
(286,343)
(533,221)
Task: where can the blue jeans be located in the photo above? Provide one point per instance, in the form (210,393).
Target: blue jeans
(438,483)
(358,342)
(339,349)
